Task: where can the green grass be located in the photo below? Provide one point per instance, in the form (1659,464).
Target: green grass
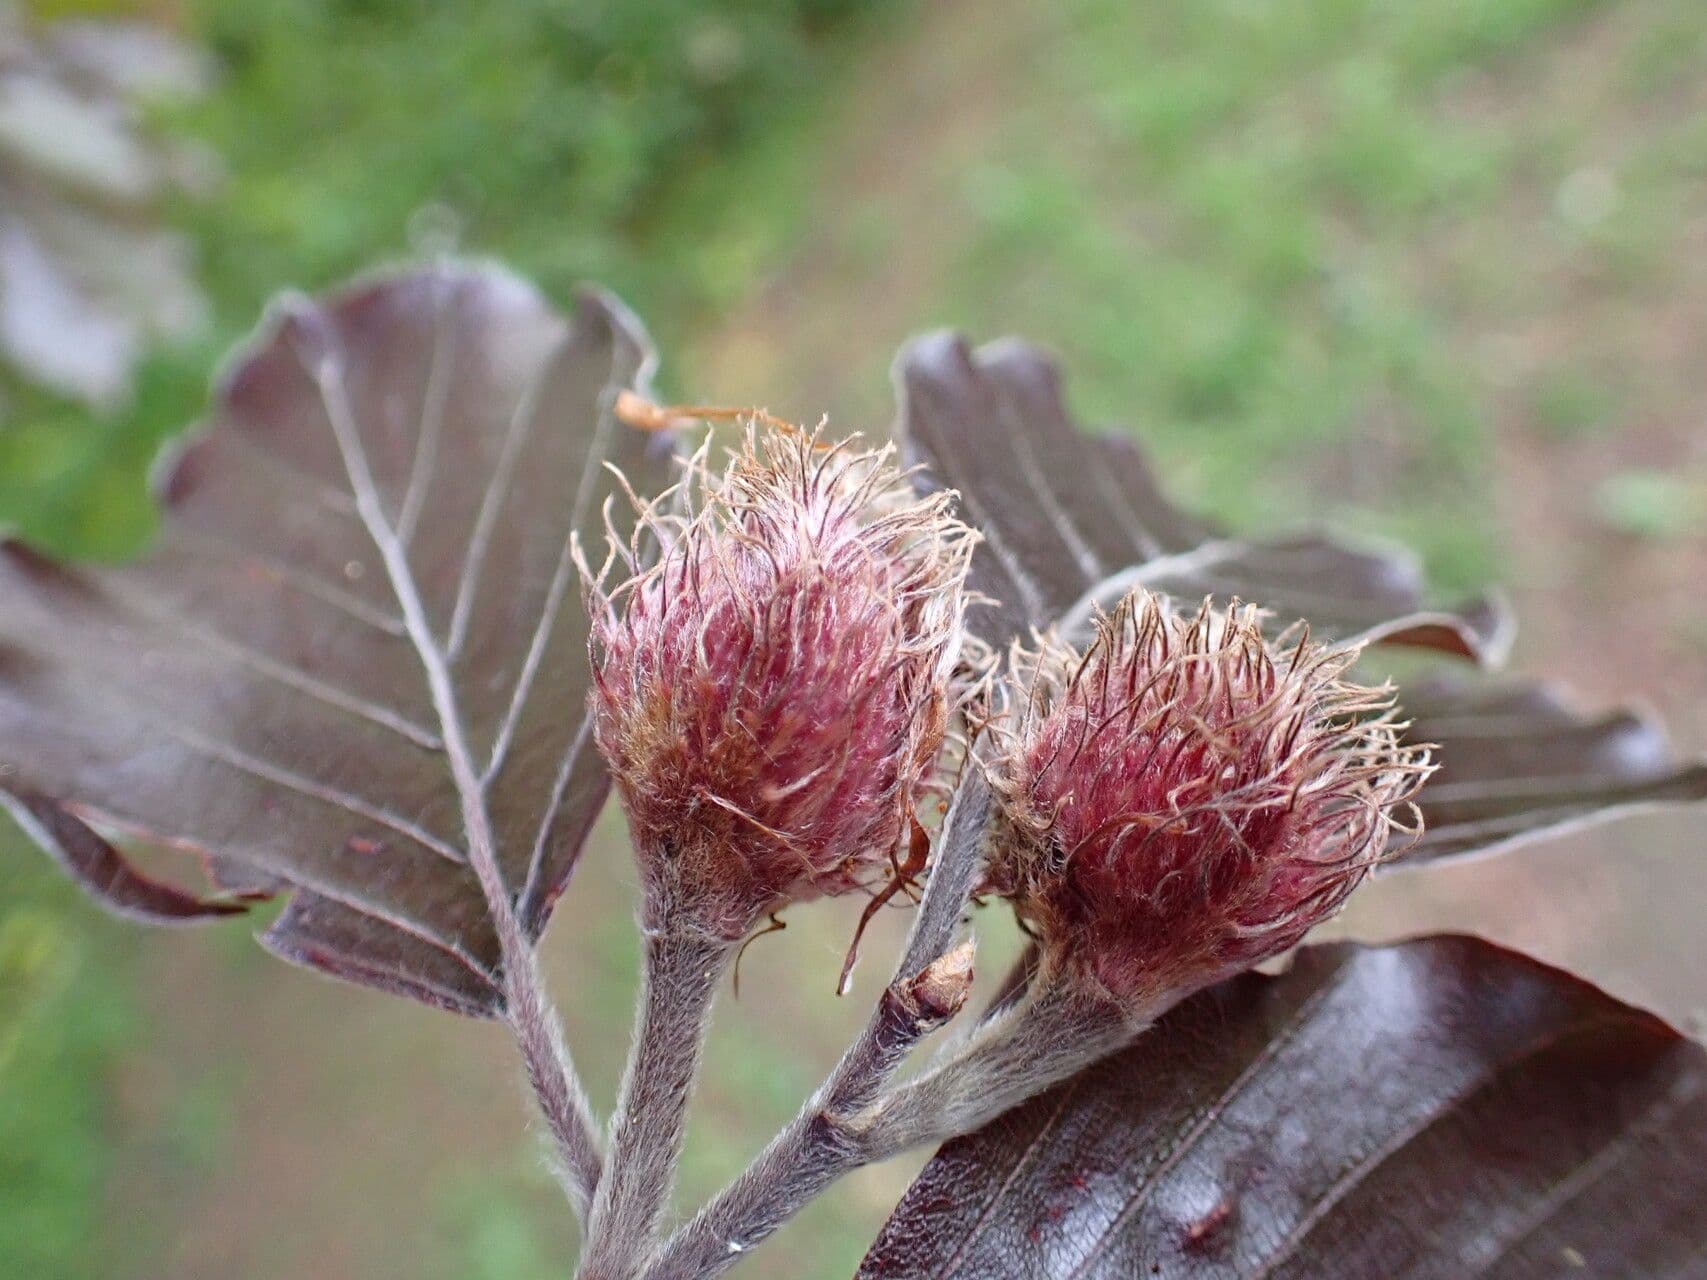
(1228,250)
(65,1014)
(1652,504)
(1284,242)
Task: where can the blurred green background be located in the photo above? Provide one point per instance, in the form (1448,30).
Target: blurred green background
(1436,269)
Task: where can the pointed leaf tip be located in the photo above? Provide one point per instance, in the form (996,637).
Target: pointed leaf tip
(1071,518)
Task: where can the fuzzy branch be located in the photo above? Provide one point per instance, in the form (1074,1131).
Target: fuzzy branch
(683,967)
(556,1087)
(823,1140)
(1050,1034)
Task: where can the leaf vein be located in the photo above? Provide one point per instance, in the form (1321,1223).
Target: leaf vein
(522,419)
(1596,1168)
(1354,1175)
(290,780)
(953,1261)
(1270,1051)
(552,604)
(425,463)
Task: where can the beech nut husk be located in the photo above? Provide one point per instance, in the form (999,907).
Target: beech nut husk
(772,693)
(1185,798)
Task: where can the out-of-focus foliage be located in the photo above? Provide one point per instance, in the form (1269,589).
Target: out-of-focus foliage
(351,132)
(63,1017)
(1652,504)
(34,963)
(549,131)
(1247,270)
(88,275)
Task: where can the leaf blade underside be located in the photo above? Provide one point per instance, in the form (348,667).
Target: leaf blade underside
(1068,516)
(1072,519)
(1518,761)
(1439,1108)
(252,691)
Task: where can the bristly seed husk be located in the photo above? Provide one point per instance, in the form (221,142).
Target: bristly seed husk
(1186,798)
(773,693)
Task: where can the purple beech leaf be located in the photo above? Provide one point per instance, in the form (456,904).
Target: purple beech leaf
(1440,1108)
(391,472)
(1516,761)
(105,872)
(1068,517)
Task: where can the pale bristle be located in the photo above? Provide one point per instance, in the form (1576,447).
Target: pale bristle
(772,694)
(1185,798)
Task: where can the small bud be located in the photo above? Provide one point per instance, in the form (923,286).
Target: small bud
(1185,800)
(940,989)
(773,693)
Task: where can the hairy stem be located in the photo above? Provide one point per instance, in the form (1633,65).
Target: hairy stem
(1040,1040)
(532,1018)
(556,1088)
(682,970)
(823,1141)
(820,1144)
(851,1122)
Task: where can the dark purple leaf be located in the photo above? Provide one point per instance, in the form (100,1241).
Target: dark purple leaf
(1069,518)
(1516,761)
(105,872)
(1066,514)
(1441,1108)
(390,474)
